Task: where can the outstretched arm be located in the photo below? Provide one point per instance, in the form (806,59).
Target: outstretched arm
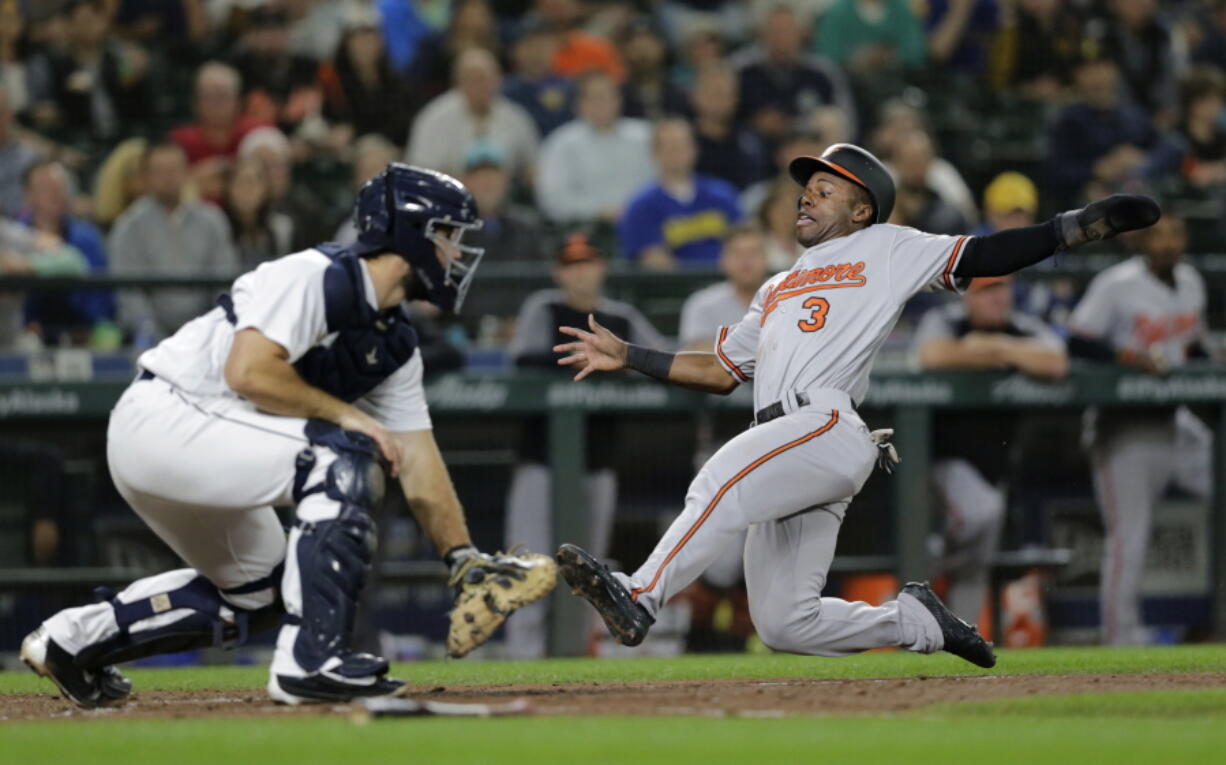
(599,350)
(1013,249)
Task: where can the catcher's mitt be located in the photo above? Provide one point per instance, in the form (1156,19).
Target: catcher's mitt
(488,588)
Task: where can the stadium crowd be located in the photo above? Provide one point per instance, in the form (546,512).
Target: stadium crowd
(199,138)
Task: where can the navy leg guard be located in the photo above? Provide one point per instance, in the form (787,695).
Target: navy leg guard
(184,617)
(334,556)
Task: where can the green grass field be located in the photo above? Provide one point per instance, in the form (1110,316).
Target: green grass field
(1162,726)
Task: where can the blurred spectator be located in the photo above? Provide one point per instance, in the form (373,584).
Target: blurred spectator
(726,149)
(871,36)
(579,272)
(27,252)
(961,33)
(743,264)
(917,204)
(730,19)
(589,168)
(1009,201)
(162,234)
(259,233)
(532,83)
(371,156)
(25,76)
(1139,42)
(649,91)
(311,222)
(98,82)
(1212,48)
(363,94)
(16,156)
(1099,137)
(981,332)
(897,121)
(1146,314)
(473,109)
(316,26)
(579,52)
(161,22)
(405,31)
(472,25)
(1038,48)
(797,144)
(700,45)
(510,232)
(780,83)
(278,86)
(680,219)
(48,208)
(777,216)
(219,125)
(120,180)
(1195,151)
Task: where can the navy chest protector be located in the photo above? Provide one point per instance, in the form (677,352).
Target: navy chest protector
(369,346)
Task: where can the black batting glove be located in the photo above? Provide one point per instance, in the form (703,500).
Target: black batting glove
(1105,218)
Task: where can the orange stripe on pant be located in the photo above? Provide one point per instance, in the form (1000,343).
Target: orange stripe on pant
(834,419)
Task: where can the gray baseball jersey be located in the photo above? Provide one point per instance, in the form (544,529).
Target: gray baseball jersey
(821,324)
(1133,454)
(789,481)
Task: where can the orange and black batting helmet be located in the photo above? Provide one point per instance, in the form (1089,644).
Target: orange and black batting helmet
(857,165)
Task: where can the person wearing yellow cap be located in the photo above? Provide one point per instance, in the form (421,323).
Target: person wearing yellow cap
(980,332)
(1010,201)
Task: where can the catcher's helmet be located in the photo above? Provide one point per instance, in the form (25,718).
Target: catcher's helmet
(409,211)
(856,165)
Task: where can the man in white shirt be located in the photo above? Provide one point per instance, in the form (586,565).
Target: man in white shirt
(473,109)
(590,167)
(300,388)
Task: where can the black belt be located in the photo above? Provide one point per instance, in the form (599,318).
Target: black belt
(775,410)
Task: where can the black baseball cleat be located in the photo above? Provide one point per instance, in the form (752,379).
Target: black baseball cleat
(591,580)
(962,639)
(88,689)
(356,675)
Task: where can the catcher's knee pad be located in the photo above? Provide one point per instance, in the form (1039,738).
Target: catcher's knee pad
(176,611)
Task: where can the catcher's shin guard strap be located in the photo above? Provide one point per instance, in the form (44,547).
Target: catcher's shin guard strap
(189,612)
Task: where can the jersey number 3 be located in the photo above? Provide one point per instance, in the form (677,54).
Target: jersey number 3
(817,316)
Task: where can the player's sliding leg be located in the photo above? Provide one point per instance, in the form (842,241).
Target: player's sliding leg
(786,563)
(770,471)
(329,555)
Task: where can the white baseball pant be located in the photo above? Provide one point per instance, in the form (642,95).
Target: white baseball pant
(975,512)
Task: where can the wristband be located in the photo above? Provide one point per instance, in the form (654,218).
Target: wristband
(458,554)
(649,361)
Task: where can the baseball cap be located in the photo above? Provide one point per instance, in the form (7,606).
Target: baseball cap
(578,249)
(482,154)
(983,282)
(1011,191)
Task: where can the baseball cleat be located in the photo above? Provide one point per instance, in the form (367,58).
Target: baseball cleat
(357,675)
(591,580)
(962,639)
(88,689)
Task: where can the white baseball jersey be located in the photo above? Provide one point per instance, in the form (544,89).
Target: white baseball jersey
(821,324)
(1129,308)
(284,300)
